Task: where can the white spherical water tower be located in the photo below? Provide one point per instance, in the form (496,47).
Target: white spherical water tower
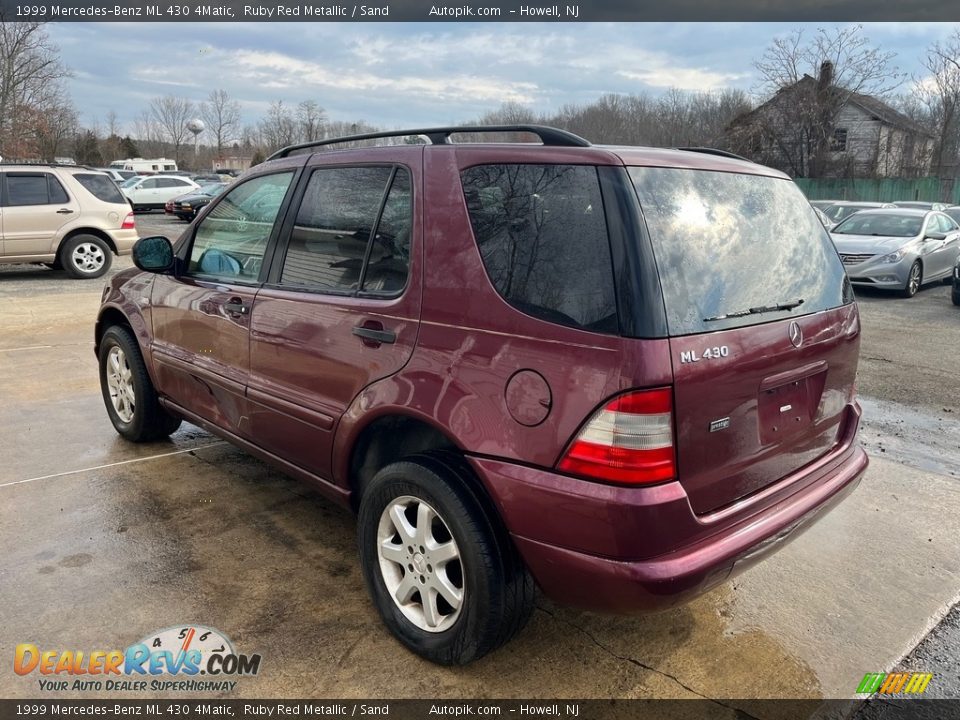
(196,126)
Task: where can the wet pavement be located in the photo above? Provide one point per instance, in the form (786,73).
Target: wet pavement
(103,542)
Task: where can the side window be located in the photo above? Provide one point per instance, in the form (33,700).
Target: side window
(27,189)
(386,270)
(58,195)
(333,230)
(543,239)
(149,184)
(231,239)
(945,224)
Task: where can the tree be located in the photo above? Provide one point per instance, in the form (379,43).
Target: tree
(312,120)
(279,128)
(814,78)
(222,117)
(939,98)
(31,82)
(171,115)
(86,150)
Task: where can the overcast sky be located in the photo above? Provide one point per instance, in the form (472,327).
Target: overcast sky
(409,74)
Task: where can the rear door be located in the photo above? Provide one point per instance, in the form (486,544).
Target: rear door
(201,317)
(35,207)
(764,332)
(342,306)
(943,253)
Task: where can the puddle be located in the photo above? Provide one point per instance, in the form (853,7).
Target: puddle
(925,440)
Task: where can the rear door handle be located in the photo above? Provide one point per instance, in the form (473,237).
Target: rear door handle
(236,306)
(64,211)
(374,336)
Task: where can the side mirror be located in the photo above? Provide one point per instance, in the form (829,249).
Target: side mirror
(933,235)
(153,254)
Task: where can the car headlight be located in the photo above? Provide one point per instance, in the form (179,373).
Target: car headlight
(893,257)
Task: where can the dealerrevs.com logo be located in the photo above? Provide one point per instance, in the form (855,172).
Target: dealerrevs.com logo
(187,658)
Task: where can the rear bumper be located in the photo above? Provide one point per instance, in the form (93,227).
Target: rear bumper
(617,549)
(124,240)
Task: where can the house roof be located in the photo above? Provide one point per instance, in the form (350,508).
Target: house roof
(871,105)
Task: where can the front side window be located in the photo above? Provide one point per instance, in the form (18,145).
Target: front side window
(230,241)
(352,232)
(542,235)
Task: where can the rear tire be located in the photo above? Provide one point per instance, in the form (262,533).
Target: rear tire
(914,280)
(450,545)
(955,295)
(85,257)
(128,392)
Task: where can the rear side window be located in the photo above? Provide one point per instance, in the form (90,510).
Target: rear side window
(352,232)
(542,235)
(728,242)
(101,187)
(34,189)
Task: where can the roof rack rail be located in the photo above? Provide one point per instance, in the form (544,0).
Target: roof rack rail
(441,136)
(715,151)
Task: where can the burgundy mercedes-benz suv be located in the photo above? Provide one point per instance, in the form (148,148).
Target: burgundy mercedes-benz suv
(622,374)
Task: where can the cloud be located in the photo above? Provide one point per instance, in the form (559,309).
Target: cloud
(683,78)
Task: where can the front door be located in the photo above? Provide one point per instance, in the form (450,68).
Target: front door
(342,306)
(201,317)
(35,208)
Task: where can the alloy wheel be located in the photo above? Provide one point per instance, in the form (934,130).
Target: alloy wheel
(88,257)
(420,564)
(120,384)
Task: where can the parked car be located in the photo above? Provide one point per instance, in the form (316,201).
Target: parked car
(843,209)
(119,176)
(206,178)
(65,217)
(919,205)
(954,212)
(955,294)
(625,374)
(152,193)
(823,204)
(897,249)
(187,206)
(822,217)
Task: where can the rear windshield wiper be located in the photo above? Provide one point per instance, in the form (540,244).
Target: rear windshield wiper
(789,305)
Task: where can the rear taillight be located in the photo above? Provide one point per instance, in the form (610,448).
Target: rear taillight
(128,223)
(629,441)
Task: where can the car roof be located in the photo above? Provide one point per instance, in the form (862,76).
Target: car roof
(863,203)
(558,147)
(908,212)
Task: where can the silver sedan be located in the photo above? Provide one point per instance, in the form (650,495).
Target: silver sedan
(898,248)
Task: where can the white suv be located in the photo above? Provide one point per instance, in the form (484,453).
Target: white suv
(63,216)
(153,192)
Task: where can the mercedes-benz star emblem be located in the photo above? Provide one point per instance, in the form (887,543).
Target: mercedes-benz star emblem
(796,334)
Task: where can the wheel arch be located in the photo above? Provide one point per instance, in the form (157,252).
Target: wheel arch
(387,438)
(96,232)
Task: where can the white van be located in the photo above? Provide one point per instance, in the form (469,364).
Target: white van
(156,165)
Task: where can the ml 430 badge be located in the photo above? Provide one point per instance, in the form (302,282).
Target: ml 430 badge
(719,351)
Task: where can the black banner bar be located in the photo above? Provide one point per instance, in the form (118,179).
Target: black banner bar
(875,709)
(478,11)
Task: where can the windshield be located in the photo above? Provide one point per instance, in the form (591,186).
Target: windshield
(212,189)
(726,242)
(883,224)
(130,182)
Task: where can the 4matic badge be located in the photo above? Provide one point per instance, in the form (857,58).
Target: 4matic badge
(187,650)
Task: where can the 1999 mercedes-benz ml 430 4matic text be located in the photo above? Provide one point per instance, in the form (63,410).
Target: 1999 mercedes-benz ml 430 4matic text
(619,374)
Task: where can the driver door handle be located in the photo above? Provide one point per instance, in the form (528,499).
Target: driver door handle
(236,306)
(64,211)
(373,334)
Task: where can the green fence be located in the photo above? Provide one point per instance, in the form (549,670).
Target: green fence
(929,189)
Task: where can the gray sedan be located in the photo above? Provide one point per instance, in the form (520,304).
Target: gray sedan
(897,249)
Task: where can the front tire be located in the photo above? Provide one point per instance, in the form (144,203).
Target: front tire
(955,294)
(438,563)
(128,392)
(914,280)
(85,257)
